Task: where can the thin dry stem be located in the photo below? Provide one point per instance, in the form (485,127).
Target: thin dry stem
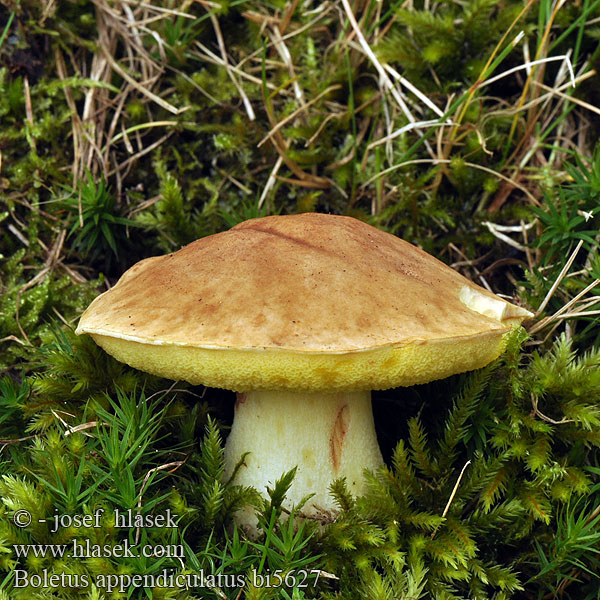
(223,50)
(559,279)
(536,412)
(435,161)
(562,312)
(454,490)
(297,112)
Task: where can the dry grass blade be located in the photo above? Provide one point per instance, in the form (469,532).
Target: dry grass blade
(298,111)
(18,234)
(384,78)
(420,95)
(527,66)
(559,279)
(126,164)
(563,312)
(453,493)
(399,132)
(496,232)
(445,161)
(271,181)
(210,57)
(28,106)
(83,427)
(285,55)
(281,146)
(129,130)
(541,48)
(573,99)
(319,130)
(9,441)
(160,9)
(173,466)
(140,87)
(123,49)
(223,50)
(75,122)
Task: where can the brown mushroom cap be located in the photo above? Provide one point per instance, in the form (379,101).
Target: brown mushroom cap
(306,302)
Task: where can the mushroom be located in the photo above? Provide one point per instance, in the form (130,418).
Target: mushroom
(302,316)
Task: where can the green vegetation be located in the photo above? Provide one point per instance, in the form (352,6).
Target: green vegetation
(128,129)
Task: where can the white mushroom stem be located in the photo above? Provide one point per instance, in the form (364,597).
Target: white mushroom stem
(326,436)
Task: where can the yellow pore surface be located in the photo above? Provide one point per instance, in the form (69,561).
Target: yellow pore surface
(244,370)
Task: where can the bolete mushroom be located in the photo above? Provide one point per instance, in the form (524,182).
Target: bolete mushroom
(302,316)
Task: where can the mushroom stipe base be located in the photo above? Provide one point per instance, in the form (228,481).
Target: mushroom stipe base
(326,436)
(242,370)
